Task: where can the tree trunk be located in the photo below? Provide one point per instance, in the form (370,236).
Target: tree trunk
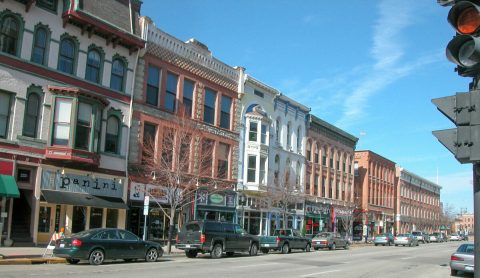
(170,230)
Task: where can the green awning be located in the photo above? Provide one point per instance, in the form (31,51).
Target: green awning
(8,187)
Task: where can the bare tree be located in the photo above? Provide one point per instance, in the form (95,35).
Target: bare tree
(179,161)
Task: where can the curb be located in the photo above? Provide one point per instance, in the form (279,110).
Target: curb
(25,261)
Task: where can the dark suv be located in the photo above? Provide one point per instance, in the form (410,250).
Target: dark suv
(215,238)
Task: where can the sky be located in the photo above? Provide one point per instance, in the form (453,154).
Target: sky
(369,67)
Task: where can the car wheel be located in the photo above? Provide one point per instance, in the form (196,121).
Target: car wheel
(253,249)
(265,250)
(191,253)
(285,248)
(230,254)
(453,272)
(347,246)
(316,248)
(96,257)
(333,246)
(72,261)
(308,247)
(396,245)
(389,243)
(376,244)
(152,255)
(217,251)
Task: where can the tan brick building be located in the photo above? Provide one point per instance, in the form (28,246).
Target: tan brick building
(464,224)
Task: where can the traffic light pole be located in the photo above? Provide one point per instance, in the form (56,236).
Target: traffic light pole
(476,211)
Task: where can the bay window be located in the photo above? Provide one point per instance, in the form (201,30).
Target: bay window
(111,138)
(252,167)
(84,126)
(252,135)
(5,100)
(61,122)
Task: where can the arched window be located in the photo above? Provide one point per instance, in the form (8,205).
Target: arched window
(39,46)
(298,172)
(289,136)
(66,58)
(288,167)
(299,140)
(112,136)
(277,130)
(32,112)
(277,169)
(309,151)
(118,75)
(10,35)
(94,60)
(317,150)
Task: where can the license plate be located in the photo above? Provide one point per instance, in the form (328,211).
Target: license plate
(266,245)
(469,268)
(187,246)
(62,245)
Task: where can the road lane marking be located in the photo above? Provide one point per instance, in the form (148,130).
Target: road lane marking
(253,265)
(407,258)
(320,273)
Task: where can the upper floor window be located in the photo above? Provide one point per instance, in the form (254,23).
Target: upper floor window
(252,168)
(309,151)
(299,140)
(94,63)
(355,169)
(263,163)
(225,113)
(10,35)
(289,136)
(153,85)
(32,113)
(149,138)
(206,157)
(66,59)
(277,130)
(171,92)
(317,149)
(263,135)
(252,135)
(84,126)
(61,121)
(39,50)
(324,157)
(5,102)
(209,106)
(222,163)
(48,4)
(188,86)
(117,80)
(112,136)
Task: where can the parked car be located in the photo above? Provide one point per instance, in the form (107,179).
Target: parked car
(462,259)
(437,237)
(329,240)
(383,239)
(433,238)
(97,245)
(405,240)
(420,236)
(454,237)
(427,238)
(215,238)
(444,237)
(285,240)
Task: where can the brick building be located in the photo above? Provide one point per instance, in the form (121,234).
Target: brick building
(374,193)
(182,81)
(66,73)
(329,180)
(465,224)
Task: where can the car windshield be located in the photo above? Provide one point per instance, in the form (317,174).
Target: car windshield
(323,235)
(403,235)
(85,233)
(382,235)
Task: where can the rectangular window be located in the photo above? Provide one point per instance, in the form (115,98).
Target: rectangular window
(324,159)
(355,169)
(48,4)
(61,122)
(225,113)
(252,135)
(84,126)
(263,136)
(252,167)
(324,188)
(263,162)
(188,87)
(153,85)
(222,163)
(184,159)
(168,144)
(171,92)
(209,106)
(206,157)
(316,157)
(4,114)
(96,215)
(149,138)
(258,93)
(315,185)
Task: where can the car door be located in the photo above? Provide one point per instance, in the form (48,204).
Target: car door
(109,240)
(243,238)
(299,241)
(131,245)
(339,240)
(231,238)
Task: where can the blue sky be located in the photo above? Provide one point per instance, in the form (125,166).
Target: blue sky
(369,67)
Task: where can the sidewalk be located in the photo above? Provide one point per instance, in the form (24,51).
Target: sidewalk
(34,255)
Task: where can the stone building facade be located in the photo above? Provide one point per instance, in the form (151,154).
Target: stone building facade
(177,82)
(418,203)
(329,178)
(66,74)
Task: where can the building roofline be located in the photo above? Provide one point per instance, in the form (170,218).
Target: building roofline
(370,151)
(317,120)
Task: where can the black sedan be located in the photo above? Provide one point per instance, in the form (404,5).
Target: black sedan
(97,245)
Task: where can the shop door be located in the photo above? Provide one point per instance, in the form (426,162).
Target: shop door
(46,222)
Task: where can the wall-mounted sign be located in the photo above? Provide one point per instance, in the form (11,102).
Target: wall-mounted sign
(157,193)
(81,184)
(216,199)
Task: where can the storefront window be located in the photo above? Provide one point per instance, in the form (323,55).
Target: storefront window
(112,218)
(79,219)
(44,219)
(96,215)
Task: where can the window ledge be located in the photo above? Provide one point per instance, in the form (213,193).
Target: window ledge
(74,155)
(113,155)
(30,139)
(6,141)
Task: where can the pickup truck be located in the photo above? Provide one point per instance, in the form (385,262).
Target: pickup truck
(284,240)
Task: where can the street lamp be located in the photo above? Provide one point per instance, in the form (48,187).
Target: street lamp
(241,200)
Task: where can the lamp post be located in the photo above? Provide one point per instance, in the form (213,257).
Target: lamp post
(241,200)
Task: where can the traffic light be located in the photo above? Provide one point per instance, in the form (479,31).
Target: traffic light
(464,48)
(463,109)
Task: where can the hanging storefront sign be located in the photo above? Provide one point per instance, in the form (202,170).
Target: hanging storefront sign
(81,184)
(224,199)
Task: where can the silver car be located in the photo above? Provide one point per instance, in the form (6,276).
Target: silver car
(405,240)
(383,239)
(462,259)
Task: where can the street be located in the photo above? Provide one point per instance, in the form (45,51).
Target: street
(426,260)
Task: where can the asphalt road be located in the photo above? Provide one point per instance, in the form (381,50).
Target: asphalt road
(429,260)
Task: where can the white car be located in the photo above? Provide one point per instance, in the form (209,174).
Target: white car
(454,237)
